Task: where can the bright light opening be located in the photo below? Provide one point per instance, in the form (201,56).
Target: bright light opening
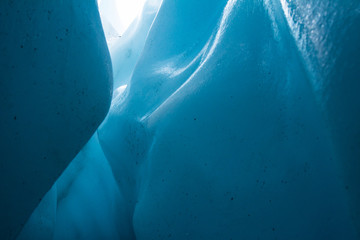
(117,15)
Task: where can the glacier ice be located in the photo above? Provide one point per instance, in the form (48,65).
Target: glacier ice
(55,89)
(126,51)
(230,120)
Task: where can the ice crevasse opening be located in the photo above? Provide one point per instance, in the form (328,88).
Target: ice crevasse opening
(208,119)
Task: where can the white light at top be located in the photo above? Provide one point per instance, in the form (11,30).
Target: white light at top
(117,15)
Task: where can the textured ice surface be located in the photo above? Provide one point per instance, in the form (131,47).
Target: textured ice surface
(55,89)
(239,121)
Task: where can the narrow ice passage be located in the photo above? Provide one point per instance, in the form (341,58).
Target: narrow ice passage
(229,119)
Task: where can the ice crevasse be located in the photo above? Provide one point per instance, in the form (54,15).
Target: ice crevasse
(232,119)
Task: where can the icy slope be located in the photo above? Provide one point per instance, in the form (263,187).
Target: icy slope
(126,51)
(89,176)
(239,121)
(55,89)
(222,134)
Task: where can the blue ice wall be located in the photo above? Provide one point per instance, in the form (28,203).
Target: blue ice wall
(328,41)
(55,89)
(239,121)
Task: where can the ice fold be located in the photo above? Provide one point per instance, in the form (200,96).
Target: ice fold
(55,88)
(238,121)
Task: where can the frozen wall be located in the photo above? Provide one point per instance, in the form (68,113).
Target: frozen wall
(222,133)
(55,89)
(328,38)
(85,202)
(239,121)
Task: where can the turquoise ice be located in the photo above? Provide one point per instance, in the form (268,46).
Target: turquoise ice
(229,119)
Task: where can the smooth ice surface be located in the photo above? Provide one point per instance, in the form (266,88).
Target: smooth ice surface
(232,120)
(222,134)
(55,89)
(125,52)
